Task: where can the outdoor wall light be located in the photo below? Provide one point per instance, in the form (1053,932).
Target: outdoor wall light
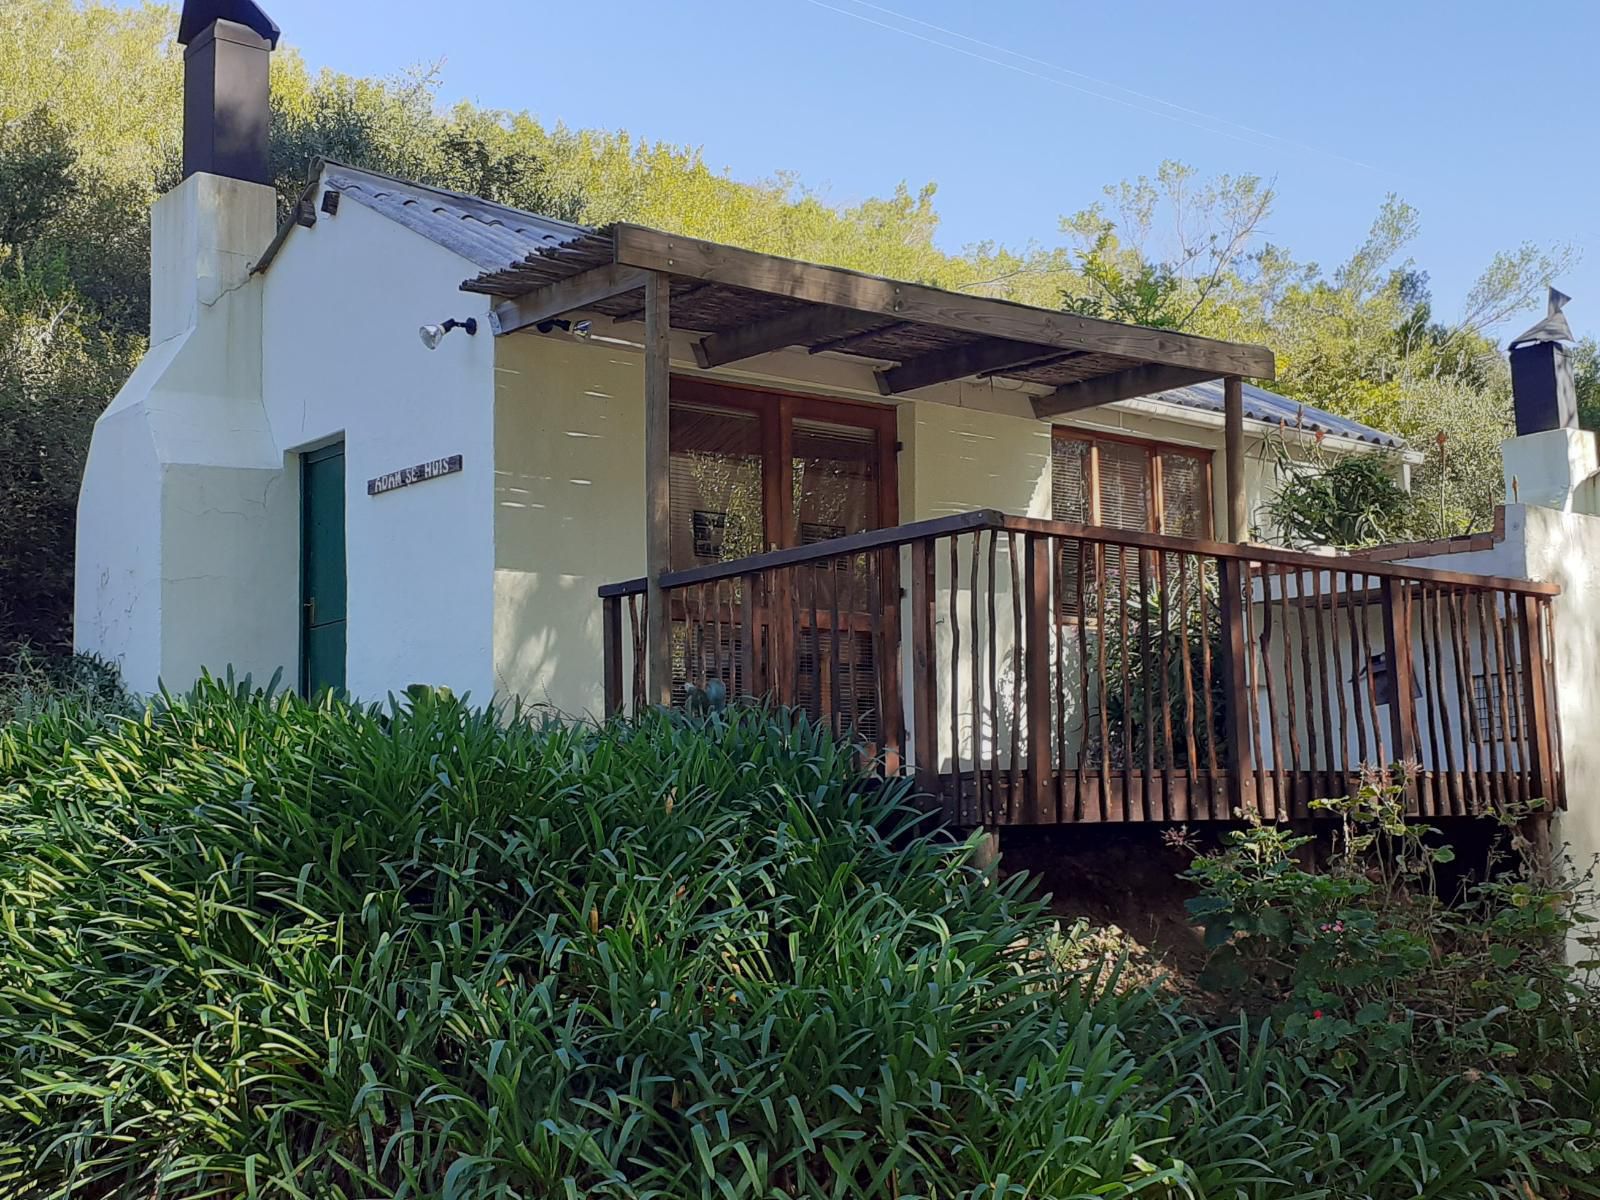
(432,335)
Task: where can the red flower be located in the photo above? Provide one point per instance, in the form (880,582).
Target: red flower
(1316,1014)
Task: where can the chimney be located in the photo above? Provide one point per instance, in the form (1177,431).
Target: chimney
(1550,458)
(226,88)
(206,233)
(1542,391)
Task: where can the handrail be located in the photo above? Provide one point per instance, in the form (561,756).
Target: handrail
(991,519)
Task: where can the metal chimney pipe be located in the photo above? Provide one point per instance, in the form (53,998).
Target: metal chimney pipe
(226,88)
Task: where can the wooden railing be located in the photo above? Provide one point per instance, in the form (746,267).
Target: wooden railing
(1039,672)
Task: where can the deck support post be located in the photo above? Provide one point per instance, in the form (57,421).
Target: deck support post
(1233,455)
(658,511)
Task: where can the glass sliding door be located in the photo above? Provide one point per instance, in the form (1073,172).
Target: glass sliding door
(754,470)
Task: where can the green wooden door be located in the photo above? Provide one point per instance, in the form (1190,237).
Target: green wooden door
(322,569)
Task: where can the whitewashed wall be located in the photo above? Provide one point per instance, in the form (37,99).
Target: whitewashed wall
(568,511)
(342,305)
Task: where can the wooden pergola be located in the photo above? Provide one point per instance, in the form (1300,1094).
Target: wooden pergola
(742,304)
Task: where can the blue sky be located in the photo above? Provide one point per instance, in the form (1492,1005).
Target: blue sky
(1478,116)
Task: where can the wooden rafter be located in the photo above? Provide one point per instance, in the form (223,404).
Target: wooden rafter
(847,342)
(1124,385)
(958,362)
(567,295)
(798,328)
(691,258)
(1033,364)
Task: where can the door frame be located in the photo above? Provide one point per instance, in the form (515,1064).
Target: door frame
(310,456)
(777,411)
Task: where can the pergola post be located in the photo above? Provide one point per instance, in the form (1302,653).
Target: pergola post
(658,512)
(1233,454)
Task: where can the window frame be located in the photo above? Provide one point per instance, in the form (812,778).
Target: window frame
(1153,450)
(777,411)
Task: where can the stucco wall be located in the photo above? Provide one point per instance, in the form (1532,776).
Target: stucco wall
(568,511)
(178,557)
(342,305)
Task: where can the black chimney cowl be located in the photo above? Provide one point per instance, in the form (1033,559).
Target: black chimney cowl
(1542,392)
(226,88)
(198,14)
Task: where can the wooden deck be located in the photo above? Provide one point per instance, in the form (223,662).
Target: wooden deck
(1037,672)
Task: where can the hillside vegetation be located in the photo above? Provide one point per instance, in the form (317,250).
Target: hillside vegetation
(252,946)
(90,130)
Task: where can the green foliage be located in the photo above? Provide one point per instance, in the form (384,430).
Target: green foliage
(253,946)
(1345,501)
(1366,960)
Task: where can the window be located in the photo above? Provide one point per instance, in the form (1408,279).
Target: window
(1488,700)
(1126,484)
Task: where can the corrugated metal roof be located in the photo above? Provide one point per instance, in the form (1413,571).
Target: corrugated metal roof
(497,236)
(1262,405)
(492,235)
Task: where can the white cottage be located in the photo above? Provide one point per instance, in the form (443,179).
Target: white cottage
(412,436)
(294,480)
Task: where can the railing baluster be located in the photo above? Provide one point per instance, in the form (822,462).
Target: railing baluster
(1396,610)
(1471,728)
(1264,803)
(1014,767)
(1287,807)
(1058,570)
(1236,685)
(634,603)
(1497,793)
(1039,621)
(1164,600)
(1432,670)
(611,637)
(924,681)
(1102,630)
(1261,650)
(1517,746)
(1536,703)
(1307,614)
(1128,741)
(1208,692)
(1331,755)
(1459,782)
(1084,709)
(1489,609)
(1190,716)
(979,790)
(834,661)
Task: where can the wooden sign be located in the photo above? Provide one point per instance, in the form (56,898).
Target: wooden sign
(420,473)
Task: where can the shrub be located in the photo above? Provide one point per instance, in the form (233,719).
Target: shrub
(1367,958)
(254,946)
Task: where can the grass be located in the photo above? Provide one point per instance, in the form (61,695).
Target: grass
(252,946)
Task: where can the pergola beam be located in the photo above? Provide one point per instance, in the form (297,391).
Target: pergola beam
(1107,389)
(691,258)
(958,362)
(583,290)
(798,328)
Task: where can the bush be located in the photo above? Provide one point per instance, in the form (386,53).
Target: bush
(254,946)
(1368,958)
